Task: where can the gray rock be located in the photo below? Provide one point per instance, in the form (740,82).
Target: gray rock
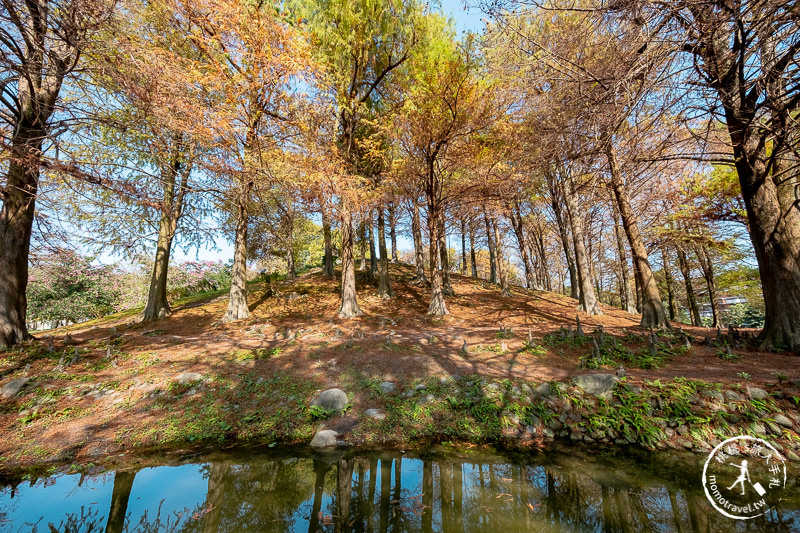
(783,420)
(543,389)
(387,387)
(547,432)
(774,428)
(600,385)
(792,456)
(420,387)
(758,428)
(325,438)
(375,413)
(427,399)
(188,377)
(756,393)
(733,396)
(334,400)
(715,395)
(12,388)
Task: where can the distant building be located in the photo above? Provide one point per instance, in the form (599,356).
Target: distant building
(724,303)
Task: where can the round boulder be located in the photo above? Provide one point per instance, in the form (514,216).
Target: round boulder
(325,438)
(334,400)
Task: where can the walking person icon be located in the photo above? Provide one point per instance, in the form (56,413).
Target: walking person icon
(743,475)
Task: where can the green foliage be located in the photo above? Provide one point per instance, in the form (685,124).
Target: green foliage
(533,349)
(317,412)
(744,315)
(64,286)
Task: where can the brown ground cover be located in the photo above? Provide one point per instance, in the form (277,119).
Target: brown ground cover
(114,396)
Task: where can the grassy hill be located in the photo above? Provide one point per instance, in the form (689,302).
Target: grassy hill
(114,385)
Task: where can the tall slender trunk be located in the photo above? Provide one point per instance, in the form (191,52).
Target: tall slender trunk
(120,495)
(447,287)
(327,269)
(669,280)
(627,296)
(419,255)
(237,303)
(587,299)
(157,307)
(501,266)
(174,182)
(348,307)
(472,259)
(384,285)
(373,256)
(574,286)
(363,246)
(691,301)
(653,314)
(463,247)
(490,243)
(393,231)
(516,223)
(433,195)
(707,267)
(541,253)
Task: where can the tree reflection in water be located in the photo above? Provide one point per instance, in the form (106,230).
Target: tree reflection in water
(392,491)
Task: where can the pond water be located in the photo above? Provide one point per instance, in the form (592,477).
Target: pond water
(571,489)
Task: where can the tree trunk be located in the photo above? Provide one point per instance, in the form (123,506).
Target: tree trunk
(384,285)
(670,282)
(628,298)
(157,307)
(586,296)
(291,268)
(174,183)
(349,305)
(373,257)
(505,291)
(574,289)
(437,306)
(393,231)
(472,259)
(237,304)
(121,493)
(419,256)
(516,224)
(38,86)
(327,269)
(491,245)
(653,314)
(463,248)
(691,301)
(363,247)
(774,231)
(447,287)
(708,274)
(16,225)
